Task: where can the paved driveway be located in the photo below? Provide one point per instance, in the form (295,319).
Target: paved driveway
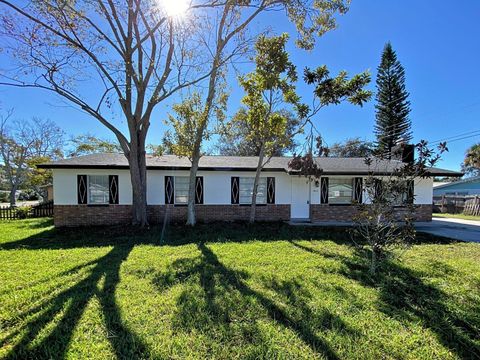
(465,230)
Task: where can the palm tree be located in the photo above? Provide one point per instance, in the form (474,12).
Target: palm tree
(471,163)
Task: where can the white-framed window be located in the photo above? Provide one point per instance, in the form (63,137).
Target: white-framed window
(340,190)
(181,189)
(246,190)
(98,189)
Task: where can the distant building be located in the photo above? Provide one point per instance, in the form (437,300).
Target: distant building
(469,186)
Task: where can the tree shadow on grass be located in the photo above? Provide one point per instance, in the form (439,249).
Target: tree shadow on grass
(407,297)
(224,302)
(66,308)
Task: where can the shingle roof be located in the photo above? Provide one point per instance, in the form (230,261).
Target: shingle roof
(330,165)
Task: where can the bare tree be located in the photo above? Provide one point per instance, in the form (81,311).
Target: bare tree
(119,60)
(24,144)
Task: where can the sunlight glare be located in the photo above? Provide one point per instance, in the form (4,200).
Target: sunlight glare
(174,8)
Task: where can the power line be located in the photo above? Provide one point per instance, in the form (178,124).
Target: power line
(455,136)
(461,138)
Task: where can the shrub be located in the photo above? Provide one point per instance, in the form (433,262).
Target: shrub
(23,212)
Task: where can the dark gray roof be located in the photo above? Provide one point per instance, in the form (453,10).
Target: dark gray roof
(330,165)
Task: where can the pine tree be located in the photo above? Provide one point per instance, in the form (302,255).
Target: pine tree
(392,105)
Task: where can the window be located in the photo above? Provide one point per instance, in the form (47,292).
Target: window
(246,190)
(181,189)
(399,192)
(98,189)
(340,190)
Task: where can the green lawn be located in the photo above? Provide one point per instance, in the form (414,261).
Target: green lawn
(458,216)
(230,292)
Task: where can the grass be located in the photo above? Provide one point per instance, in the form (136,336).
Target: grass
(457,216)
(230,292)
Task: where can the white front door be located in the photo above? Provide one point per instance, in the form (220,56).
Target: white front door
(300,208)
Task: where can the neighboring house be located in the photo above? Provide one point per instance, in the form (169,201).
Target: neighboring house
(96,189)
(469,186)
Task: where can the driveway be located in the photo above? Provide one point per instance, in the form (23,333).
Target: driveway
(458,229)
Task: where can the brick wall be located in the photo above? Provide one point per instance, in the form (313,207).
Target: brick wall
(345,213)
(84,215)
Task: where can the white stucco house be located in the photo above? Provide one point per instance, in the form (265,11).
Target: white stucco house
(96,189)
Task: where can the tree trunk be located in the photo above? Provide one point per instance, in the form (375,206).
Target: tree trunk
(253,208)
(196,154)
(13,199)
(138,175)
(373,263)
(191,220)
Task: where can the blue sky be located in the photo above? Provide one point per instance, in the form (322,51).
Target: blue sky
(436,41)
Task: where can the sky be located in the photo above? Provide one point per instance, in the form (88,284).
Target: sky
(436,41)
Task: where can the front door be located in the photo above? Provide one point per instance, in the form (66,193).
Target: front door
(300,208)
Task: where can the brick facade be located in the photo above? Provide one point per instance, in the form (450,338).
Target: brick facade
(344,213)
(84,215)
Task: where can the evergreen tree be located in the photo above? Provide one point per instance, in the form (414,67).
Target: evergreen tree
(392,105)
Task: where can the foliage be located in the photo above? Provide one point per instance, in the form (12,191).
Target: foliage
(188,120)
(25,144)
(155,150)
(216,291)
(327,91)
(335,90)
(4,196)
(392,106)
(235,139)
(28,195)
(117,60)
(23,212)
(269,90)
(378,222)
(353,147)
(85,144)
(471,163)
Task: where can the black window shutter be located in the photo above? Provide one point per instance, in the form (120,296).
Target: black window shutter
(410,191)
(234,190)
(378,188)
(358,189)
(324,190)
(169,190)
(113,189)
(199,190)
(82,189)
(270,190)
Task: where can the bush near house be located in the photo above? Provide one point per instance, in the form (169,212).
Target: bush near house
(216,291)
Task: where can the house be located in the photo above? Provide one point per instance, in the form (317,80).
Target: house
(96,189)
(469,186)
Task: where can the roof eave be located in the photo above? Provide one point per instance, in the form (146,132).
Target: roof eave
(177,168)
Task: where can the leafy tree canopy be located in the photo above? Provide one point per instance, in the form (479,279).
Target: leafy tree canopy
(89,144)
(353,147)
(235,141)
(471,162)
